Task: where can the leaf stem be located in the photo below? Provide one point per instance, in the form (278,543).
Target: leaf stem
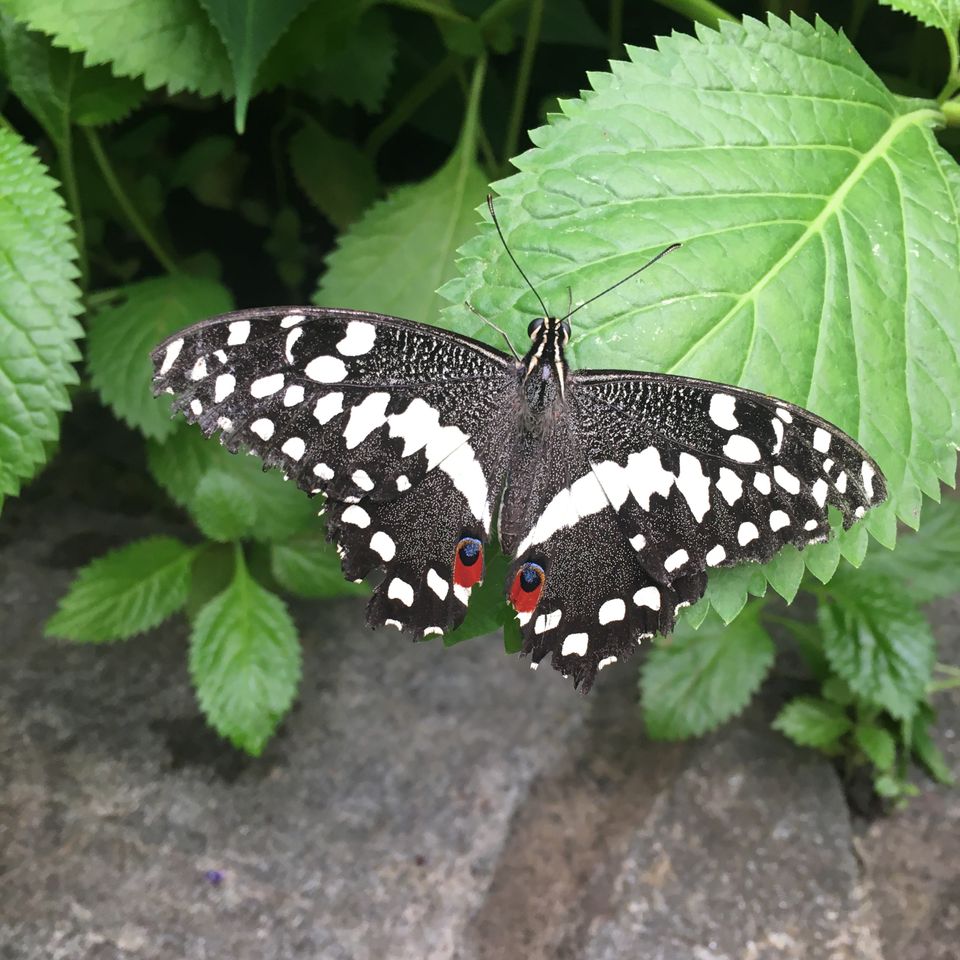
(953,79)
(703,11)
(522,87)
(69,174)
(437,10)
(410,103)
(126,204)
(497,10)
(615,29)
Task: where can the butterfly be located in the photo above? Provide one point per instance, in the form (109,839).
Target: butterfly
(612,492)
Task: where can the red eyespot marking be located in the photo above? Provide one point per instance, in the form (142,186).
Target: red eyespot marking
(526,588)
(468,563)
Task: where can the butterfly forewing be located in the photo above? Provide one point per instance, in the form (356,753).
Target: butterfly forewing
(395,421)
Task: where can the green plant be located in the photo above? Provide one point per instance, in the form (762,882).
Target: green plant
(819,219)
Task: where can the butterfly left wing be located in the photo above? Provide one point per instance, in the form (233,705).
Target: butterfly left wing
(398,423)
(676,476)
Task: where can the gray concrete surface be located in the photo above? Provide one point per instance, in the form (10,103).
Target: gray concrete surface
(422,803)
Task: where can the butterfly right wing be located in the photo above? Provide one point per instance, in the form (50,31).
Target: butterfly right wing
(400,424)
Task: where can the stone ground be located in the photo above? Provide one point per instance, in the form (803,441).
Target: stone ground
(423,803)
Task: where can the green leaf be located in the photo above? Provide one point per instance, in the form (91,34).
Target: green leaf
(38,303)
(310,568)
(926,564)
(168,43)
(925,750)
(403,248)
(878,641)
(811,722)
(56,88)
(180,463)
(221,507)
(337,176)
(122,335)
(940,14)
(488,610)
(699,679)
(837,690)
(245,661)
(249,29)
(125,592)
(358,70)
(877,744)
(821,257)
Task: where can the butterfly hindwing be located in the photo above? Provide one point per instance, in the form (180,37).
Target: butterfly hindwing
(401,425)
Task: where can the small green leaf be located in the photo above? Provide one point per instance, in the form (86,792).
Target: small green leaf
(940,14)
(394,258)
(811,722)
(878,641)
(925,750)
(249,30)
(337,176)
(38,303)
(488,610)
(221,508)
(180,463)
(926,564)
(310,568)
(125,592)
(699,679)
(245,661)
(121,336)
(893,787)
(877,744)
(837,690)
(728,589)
(167,42)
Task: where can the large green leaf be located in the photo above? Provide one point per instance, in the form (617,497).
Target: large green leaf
(57,89)
(695,681)
(310,568)
(812,722)
(181,462)
(38,303)
(940,14)
(121,336)
(245,661)
(818,215)
(249,29)
(125,592)
(169,43)
(403,248)
(878,641)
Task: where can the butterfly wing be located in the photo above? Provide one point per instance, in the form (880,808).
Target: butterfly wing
(676,476)
(401,425)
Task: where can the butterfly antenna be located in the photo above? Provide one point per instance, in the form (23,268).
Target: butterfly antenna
(503,333)
(649,263)
(503,240)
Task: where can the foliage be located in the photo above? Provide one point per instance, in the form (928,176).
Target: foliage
(815,202)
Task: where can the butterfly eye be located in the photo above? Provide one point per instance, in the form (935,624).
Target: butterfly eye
(534,327)
(468,562)
(527,586)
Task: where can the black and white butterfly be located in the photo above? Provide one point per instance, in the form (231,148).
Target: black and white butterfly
(613,492)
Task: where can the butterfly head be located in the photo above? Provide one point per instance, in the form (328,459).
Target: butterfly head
(548,338)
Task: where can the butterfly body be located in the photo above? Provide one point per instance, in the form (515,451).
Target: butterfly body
(614,492)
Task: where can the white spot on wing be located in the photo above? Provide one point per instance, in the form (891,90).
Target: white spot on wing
(293,448)
(328,407)
(811,525)
(170,357)
(778,520)
(403,483)
(762,482)
(291,320)
(239,331)
(326,369)
(868,473)
(547,621)
(778,430)
(574,643)
(605,662)
(722,411)
(323,471)
(224,387)
(859,512)
(730,485)
(196,406)
(638,542)
(393,623)
(266,386)
(716,555)
(356,516)
(784,415)
(612,610)
(263,428)
(225,424)
(819,492)
(199,370)
(293,395)
(742,449)
(368,415)
(383,544)
(821,440)
(437,584)
(747,533)
(694,484)
(676,560)
(786,479)
(647,597)
(841,482)
(358,340)
(292,337)
(362,479)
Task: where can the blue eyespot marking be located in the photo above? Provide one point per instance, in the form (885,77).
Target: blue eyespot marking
(468,550)
(531,576)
